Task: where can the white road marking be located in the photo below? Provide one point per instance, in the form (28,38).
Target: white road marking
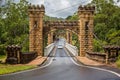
(96,68)
(93,67)
(51,60)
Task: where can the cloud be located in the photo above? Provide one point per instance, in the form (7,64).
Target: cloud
(60,8)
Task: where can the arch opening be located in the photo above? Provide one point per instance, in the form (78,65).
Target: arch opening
(82,28)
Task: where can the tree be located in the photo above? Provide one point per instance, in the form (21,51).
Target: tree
(73,17)
(14,23)
(107,19)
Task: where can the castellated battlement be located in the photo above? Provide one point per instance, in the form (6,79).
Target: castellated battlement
(86,8)
(36,8)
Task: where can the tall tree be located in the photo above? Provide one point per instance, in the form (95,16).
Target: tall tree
(107,21)
(14,22)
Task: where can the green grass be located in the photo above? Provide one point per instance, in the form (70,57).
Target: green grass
(6,68)
(118,63)
(2,58)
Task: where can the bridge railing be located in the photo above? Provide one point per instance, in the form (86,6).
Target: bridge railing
(49,49)
(72,49)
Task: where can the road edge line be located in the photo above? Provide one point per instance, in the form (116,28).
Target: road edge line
(101,69)
(51,60)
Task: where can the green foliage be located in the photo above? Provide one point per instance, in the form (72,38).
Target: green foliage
(114,37)
(107,21)
(98,45)
(2,58)
(118,62)
(75,40)
(13,24)
(2,49)
(101,34)
(73,17)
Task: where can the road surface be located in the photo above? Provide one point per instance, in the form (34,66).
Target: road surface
(61,67)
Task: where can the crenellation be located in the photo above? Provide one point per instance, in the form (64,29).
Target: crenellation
(86,8)
(85,14)
(33,9)
(36,14)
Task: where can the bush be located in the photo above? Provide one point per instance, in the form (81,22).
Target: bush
(118,62)
(2,49)
(98,45)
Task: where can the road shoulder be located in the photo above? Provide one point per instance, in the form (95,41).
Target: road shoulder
(37,61)
(92,63)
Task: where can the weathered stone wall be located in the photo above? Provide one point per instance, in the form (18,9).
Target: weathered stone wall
(101,57)
(86,14)
(36,14)
(110,55)
(15,56)
(84,25)
(26,57)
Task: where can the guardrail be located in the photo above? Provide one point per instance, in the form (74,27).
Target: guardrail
(48,49)
(110,54)
(72,49)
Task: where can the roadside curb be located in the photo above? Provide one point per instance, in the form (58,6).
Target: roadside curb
(105,67)
(42,62)
(54,50)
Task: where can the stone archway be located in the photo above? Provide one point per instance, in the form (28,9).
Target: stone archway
(83,27)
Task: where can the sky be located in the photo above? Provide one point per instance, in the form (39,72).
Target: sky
(60,8)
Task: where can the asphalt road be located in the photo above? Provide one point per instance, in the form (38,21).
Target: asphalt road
(61,67)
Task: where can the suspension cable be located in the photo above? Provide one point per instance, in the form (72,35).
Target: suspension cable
(95,36)
(61,10)
(69,6)
(57,11)
(25,40)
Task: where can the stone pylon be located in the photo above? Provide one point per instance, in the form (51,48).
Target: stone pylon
(70,37)
(67,36)
(86,14)
(36,14)
(50,38)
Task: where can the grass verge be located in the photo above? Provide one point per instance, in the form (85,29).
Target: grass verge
(2,58)
(6,68)
(118,63)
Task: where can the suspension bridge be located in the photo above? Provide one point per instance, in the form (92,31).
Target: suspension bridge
(61,62)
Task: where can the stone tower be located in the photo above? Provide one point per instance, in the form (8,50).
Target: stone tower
(36,14)
(86,17)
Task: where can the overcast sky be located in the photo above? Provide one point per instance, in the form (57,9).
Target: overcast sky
(60,8)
